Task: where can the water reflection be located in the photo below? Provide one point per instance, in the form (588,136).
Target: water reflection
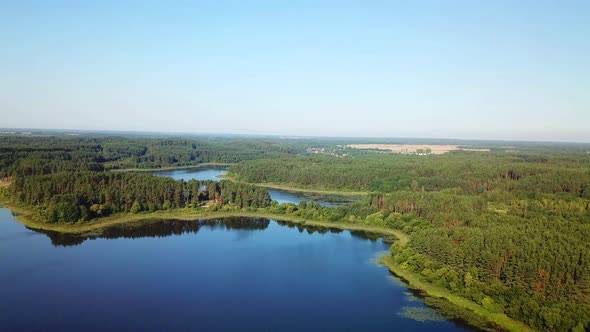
(212,173)
(224,275)
(311,229)
(295,197)
(165,228)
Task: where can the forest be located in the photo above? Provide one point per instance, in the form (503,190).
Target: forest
(507,229)
(533,172)
(69,179)
(33,155)
(82,196)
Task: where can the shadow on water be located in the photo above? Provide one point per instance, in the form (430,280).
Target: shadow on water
(310,229)
(165,228)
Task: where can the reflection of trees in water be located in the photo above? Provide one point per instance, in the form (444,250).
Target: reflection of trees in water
(158,229)
(310,229)
(61,239)
(372,236)
(166,228)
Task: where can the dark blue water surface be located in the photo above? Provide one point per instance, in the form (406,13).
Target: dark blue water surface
(234,274)
(281,196)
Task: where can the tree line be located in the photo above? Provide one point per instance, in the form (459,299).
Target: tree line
(71,197)
(531,264)
(467,171)
(67,179)
(31,155)
(508,230)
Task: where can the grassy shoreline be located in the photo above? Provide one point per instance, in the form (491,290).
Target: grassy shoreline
(26,217)
(414,281)
(284,187)
(231,178)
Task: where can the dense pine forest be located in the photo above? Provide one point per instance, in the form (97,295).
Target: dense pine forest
(69,179)
(532,172)
(507,229)
(51,154)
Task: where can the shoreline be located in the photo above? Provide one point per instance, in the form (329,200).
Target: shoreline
(283,187)
(23,216)
(412,280)
(228,177)
(169,168)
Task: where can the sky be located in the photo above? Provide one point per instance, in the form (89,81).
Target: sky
(442,69)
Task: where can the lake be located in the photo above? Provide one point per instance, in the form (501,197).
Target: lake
(279,195)
(201,173)
(235,274)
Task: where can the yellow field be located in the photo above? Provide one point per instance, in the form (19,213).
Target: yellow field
(412,148)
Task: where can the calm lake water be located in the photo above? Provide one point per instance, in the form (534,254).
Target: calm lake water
(281,196)
(201,174)
(236,274)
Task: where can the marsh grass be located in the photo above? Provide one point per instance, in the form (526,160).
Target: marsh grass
(411,297)
(421,314)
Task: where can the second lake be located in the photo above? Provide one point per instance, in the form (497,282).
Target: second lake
(279,195)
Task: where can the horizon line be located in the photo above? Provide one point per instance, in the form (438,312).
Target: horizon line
(9,130)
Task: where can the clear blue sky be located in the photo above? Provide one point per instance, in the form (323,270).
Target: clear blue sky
(457,69)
